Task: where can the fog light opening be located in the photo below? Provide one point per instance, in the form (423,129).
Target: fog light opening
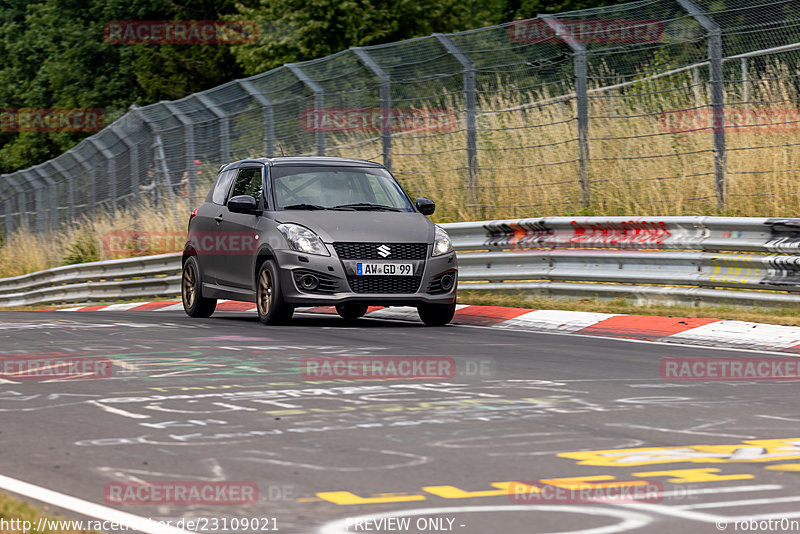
(308,282)
(447,281)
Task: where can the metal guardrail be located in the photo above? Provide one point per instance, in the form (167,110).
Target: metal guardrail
(740,261)
(140,277)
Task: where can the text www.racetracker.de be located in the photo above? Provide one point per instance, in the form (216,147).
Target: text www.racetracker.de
(199,524)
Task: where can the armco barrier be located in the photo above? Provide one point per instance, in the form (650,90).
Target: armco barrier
(740,261)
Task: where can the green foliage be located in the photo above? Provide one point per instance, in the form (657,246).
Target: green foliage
(297,30)
(82,250)
(54,54)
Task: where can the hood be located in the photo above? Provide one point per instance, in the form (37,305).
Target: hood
(365,226)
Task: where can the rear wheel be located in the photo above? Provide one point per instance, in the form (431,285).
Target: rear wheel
(194,304)
(436,314)
(351,311)
(272,308)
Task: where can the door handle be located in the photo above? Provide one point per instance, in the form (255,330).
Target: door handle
(218,218)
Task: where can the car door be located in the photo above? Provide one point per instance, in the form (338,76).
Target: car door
(205,225)
(239,233)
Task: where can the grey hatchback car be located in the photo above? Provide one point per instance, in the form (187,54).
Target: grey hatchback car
(289,232)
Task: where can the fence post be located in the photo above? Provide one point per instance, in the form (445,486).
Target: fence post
(133,151)
(581,101)
(269,117)
(70,189)
(20,198)
(160,160)
(50,219)
(9,226)
(189,155)
(698,92)
(470,106)
(717,96)
(111,169)
(89,174)
(224,129)
(745,82)
(319,100)
(386,101)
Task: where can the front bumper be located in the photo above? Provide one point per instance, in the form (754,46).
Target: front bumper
(339,283)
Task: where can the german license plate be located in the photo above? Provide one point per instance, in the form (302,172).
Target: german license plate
(384,269)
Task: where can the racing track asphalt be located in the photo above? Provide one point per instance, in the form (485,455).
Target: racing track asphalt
(225,399)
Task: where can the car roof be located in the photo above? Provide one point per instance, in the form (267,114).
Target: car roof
(305,161)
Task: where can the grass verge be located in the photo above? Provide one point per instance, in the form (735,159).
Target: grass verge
(19,511)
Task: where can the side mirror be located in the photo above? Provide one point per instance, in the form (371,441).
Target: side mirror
(242,204)
(426,206)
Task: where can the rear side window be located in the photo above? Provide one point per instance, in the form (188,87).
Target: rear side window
(248,182)
(222,186)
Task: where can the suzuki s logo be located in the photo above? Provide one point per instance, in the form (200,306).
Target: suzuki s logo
(384,251)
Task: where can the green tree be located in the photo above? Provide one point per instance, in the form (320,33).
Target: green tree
(55,57)
(298,30)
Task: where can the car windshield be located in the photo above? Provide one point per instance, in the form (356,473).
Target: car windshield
(339,188)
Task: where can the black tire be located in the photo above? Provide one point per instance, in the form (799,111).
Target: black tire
(194,304)
(351,311)
(272,309)
(436,314)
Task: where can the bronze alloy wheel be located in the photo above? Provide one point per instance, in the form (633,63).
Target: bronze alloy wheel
(272,308)
(194,304)
(189,285)
(265,288)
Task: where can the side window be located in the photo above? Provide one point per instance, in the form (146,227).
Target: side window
(221,188)
(248,182)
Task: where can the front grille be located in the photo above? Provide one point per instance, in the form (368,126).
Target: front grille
(384,284)
(369,251)
(327,285)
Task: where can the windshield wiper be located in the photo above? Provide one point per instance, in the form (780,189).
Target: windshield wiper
(368,206)
(305,207)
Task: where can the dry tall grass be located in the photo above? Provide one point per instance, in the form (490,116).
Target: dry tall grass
(25,251)
(528,167)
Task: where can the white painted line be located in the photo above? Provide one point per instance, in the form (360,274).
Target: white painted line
(122,307)
(715,491)
(77,308)
(676,344)
(769,336)
(98,511)
(726,504)
(174,307)
(556,320)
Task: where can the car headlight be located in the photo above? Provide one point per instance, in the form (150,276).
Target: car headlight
(441,243)
(302,239)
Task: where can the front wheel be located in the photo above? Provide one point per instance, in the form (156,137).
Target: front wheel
(194,304)
(436,314)
(351,311)
(272,308)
